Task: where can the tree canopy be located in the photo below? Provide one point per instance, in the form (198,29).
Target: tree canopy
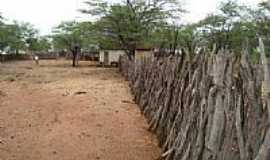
(17,36)
(132,22)
(68,34)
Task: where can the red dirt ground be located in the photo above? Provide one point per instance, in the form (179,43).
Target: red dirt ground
(42,117)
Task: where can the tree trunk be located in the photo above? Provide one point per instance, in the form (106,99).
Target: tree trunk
(74,58)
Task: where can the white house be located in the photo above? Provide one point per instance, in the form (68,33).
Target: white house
(3,52)
(109,57)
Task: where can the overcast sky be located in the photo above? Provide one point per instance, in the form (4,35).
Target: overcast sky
(45,14)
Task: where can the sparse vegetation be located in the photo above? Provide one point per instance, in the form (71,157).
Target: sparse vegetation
(203,87)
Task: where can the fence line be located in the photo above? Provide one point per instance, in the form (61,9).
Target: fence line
(204,106)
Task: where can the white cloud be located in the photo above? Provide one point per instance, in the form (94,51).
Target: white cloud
(45,14)
(198,9)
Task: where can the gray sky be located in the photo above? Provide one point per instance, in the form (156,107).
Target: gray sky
(45,14)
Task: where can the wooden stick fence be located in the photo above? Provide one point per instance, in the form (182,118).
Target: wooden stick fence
(203,107)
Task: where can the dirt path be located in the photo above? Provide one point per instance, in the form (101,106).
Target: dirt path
(55,112)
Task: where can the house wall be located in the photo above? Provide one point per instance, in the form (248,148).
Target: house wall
(141,54)
(114,55)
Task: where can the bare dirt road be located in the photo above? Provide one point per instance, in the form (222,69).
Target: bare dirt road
(55,112)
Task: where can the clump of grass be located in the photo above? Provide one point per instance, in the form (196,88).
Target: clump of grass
(10,79)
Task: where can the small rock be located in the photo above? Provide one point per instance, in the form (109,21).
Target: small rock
(99,125)
(11,79)
(2,94)
(30,68)
(80,93)
(66,94)
(128,102)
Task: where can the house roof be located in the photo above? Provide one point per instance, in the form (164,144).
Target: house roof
(144,49)
(112,49)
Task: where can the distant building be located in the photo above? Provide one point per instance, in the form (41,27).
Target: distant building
(110,57)
(142,53)
(3,52)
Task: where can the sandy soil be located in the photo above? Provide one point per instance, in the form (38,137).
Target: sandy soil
(56,112)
